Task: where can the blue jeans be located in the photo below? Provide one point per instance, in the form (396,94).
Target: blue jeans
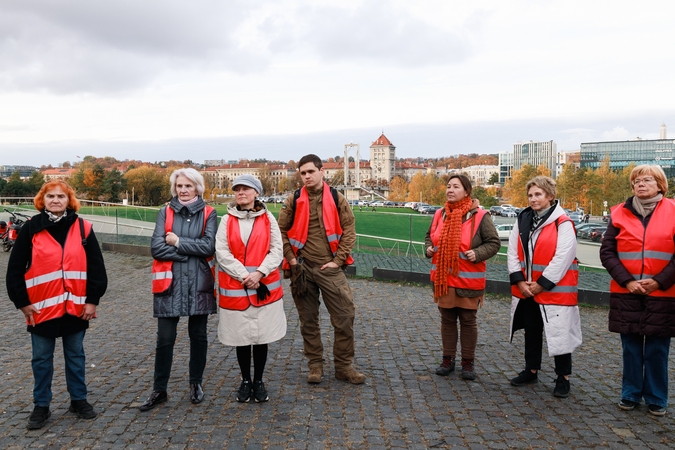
(43,367)
(645,369)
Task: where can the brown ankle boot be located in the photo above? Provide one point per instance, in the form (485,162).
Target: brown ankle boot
(350,375)
(315,375)
(467,369)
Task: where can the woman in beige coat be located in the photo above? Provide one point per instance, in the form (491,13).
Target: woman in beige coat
(249,320)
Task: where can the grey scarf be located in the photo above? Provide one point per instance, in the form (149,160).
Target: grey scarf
(644,207)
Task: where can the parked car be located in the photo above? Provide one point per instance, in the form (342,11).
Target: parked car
(508,212)
(585,226)
(504,230)
(411,205)
(419,205)
(596,234)
(586,232)
(429,209)
(496,210)
(576,217)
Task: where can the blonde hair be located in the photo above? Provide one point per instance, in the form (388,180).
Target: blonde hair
(652,170)
(546,184)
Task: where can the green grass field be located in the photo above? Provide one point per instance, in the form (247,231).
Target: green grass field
(394,223)
(401,224)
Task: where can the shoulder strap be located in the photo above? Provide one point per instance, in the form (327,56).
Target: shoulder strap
(84,238)
(207,212)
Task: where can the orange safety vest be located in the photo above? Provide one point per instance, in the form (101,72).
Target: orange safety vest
(162,270)
(645,252)
(56,280)
(232,295)
(297,235)
(471,275)
(565,292)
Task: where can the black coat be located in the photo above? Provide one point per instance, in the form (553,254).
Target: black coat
(21,258)
(637,314)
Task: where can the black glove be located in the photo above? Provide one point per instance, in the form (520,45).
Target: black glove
(298,284)
(262,292)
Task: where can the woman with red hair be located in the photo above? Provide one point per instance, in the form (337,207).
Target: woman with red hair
(56,277)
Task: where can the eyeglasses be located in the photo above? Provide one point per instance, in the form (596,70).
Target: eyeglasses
(643,180)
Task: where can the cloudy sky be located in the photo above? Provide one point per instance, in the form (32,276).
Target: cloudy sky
(213,79)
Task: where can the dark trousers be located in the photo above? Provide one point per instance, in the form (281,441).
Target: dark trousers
(534,330)
(166,338)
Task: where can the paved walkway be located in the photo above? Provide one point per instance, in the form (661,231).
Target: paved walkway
(402,405)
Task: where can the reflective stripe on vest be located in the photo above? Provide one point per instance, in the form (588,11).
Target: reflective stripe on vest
(645,252)
(56,281)
(231,294)
(565,292)
(297,235)
(471,275)
(162,270)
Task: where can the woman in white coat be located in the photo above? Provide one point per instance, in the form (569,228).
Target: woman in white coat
(250,297)
(544,276)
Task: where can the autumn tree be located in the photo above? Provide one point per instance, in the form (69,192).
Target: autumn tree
(337,179)
(426,188)
(514,188)
(93,182)
(265,177)
(113,185)
(484,197)
(150,186)
(398,189)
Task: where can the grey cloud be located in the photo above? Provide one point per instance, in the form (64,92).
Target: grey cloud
(372,33)
(86,46)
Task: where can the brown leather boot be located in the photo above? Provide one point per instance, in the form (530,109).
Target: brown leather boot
(315,375)
(350,375)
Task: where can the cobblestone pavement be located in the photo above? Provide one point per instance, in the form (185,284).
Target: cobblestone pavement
(403,404)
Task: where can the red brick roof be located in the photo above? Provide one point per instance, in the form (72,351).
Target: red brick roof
(382,140)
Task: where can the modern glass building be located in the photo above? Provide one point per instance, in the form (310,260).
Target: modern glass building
(623,153)
(505,166)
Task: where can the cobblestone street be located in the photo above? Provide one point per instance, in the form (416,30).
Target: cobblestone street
(403,404)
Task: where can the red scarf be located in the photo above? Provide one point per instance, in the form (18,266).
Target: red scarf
(448,244)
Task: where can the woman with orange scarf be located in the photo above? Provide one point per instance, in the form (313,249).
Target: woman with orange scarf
(460,239)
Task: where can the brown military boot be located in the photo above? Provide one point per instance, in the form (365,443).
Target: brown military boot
(315,375)
(350,375)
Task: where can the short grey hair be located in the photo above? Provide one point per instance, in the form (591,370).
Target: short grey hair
(192,175)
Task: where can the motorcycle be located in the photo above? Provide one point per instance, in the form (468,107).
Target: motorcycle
(9,232)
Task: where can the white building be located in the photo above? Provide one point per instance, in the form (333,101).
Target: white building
(479,175)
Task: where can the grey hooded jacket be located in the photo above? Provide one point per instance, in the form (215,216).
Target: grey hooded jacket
(191,290)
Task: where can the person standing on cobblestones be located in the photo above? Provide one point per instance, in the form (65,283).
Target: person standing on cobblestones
(56,277)
(459,241)
(317,228)
(182,245)
(249,251)
(641,262)
(544,276)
